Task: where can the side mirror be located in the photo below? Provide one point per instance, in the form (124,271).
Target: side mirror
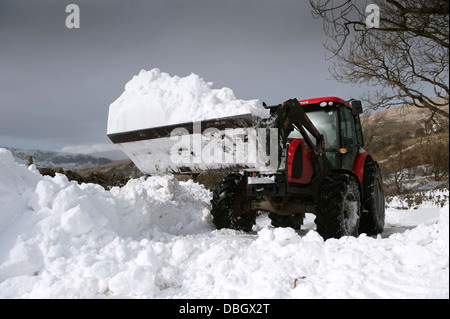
(356,107)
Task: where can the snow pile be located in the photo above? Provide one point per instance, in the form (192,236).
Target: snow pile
(154,98)
(153,238)
(61,239)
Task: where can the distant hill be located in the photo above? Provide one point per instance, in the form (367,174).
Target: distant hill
(116,155)
(407,124)
(122,168)
(408,113)
(53,159)
(411,146)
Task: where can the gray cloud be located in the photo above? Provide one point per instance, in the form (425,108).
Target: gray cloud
(56,84)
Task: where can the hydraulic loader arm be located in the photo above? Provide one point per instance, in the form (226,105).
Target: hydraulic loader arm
(289,116)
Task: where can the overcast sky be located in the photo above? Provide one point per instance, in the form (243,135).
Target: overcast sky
(56,84)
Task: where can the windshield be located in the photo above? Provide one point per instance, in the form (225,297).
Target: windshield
(325,121)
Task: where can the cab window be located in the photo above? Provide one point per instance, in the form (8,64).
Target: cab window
(325,122)
(348,138)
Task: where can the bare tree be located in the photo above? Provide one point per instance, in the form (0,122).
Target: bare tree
(397,168)
(406,58)
(434,152)
(373,125)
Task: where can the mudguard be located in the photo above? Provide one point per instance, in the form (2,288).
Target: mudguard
(361,159)
(299,165)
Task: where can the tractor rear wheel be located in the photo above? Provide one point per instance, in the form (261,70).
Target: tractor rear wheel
(372,217)
(230,204)
(339,206)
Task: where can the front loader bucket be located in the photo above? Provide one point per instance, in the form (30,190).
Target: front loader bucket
(222,144)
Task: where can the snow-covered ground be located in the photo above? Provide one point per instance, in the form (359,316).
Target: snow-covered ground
(153,238)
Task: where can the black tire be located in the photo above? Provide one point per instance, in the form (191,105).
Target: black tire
(339,207)
(373,215)
(229,204)
(294,221)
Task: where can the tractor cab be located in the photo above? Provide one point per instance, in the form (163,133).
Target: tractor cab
(338,121)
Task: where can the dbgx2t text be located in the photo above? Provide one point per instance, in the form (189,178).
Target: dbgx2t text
(246,308)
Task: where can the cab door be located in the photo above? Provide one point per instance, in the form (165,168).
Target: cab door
(348,140)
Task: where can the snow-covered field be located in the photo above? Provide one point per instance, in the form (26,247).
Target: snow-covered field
(154,238)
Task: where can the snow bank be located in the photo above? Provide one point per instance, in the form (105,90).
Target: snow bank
(153,238)
(61,239)
(154,98)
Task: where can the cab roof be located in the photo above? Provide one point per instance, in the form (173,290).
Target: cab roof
(326,99)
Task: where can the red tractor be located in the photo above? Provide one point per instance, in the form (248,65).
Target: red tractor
(320,168)
(323,170)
